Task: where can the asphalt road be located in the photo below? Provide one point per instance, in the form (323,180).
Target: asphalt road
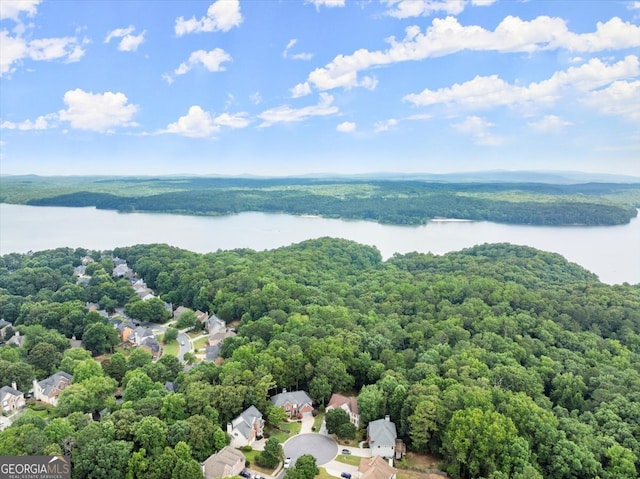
(185,345)
(323,448)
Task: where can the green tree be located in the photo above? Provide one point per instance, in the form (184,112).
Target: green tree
(151,434)
(45,358)
(370,403)
(272,454)
(71,357)
(100,338)
(170,335)
(101,459)
(305,468)
(115,366)
(619,463)
(86,369)
(334,418)
(138,358)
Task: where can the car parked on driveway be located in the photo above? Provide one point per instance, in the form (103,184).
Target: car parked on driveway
(346,451)
(287,463)
(246,474)
(346,475)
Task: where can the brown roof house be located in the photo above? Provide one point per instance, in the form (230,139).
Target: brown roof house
(246,428)
(375,467)
(49,389)
(381,436)
(347,403)
(10,398)
(294,402)
(225,463)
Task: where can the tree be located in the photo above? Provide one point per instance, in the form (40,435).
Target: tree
(138,385)
(334,418)
(423,422)
(275,415)
(173,408)
(272,454)
(346,431)
(115,366)
(100,338)
(151,434)
(71,357)
(101,459)
(320,388)
(305,468)
(45,358)
(186,320)
(138,358)
(370,403)
(171,334)
(620,463)
(86,369)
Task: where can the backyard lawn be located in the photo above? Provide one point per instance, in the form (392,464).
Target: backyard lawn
(172,349)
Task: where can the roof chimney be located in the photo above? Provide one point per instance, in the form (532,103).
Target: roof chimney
(14,385)
(387,418)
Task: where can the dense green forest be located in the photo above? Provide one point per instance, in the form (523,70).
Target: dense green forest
(386,201)
(505,361)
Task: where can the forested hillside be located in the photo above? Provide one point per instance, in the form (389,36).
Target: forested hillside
(385,201)
(505,361)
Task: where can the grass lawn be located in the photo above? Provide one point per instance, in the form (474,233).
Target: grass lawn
(289,429)
(251,457)
(324,474)
(317,422)
(348,459)
(201,343)
(172,349)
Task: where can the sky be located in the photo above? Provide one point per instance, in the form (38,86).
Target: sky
(284,88)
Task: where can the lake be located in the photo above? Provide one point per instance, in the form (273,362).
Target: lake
(611,252)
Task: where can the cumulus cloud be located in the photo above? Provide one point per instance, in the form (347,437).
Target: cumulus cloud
(222,15)
(550,124)
(211,60)
(620,98)
(128,42)
(43,122)
(198,123)
(295,56)
(286,114)
(101,112)
(301,89)
(418,8)
(385,125)
(327,3)
(346,127)
(14,49)
(446,36)
(479,129)
(492,91)
(12,9)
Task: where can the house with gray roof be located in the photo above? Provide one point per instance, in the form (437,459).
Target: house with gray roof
(49,389)
(225,463)
(246,428)
(381,436)
(11,399)
(295,403)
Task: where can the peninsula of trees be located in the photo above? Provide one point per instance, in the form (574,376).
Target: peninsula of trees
(402,202)
(501,360)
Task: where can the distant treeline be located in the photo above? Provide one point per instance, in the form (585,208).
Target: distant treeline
(404,203)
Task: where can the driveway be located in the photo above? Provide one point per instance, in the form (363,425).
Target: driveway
(323,448)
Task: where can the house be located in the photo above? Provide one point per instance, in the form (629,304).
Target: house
(347,403)
(86,260)
(121,271)
(152,345)
(294,402)
(140,334)
(10,398)
(225,463)
(216,325)
(246,428)
(49,389)
(381,436)
(375,467)
(201,316)
(126,330)
(4,328)
(178,312)
(16,339)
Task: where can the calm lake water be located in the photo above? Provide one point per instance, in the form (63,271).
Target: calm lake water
(611,252)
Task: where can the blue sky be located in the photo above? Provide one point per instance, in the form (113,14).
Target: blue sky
(298,87)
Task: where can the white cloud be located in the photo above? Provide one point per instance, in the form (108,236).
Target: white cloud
(385,125)
(418,8)
(237,120)
(301,89)
(446,36)
(478,129)
(620,98)
(222,15)
(346,127)
(634,5)
(128,42)
(256,98)
(286,114)
(198,123)
(211,60)
(12,9)
(41,123)
(550,124)
(15,49)
(327,3)
(295,56)
(97,111)
(492,91)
